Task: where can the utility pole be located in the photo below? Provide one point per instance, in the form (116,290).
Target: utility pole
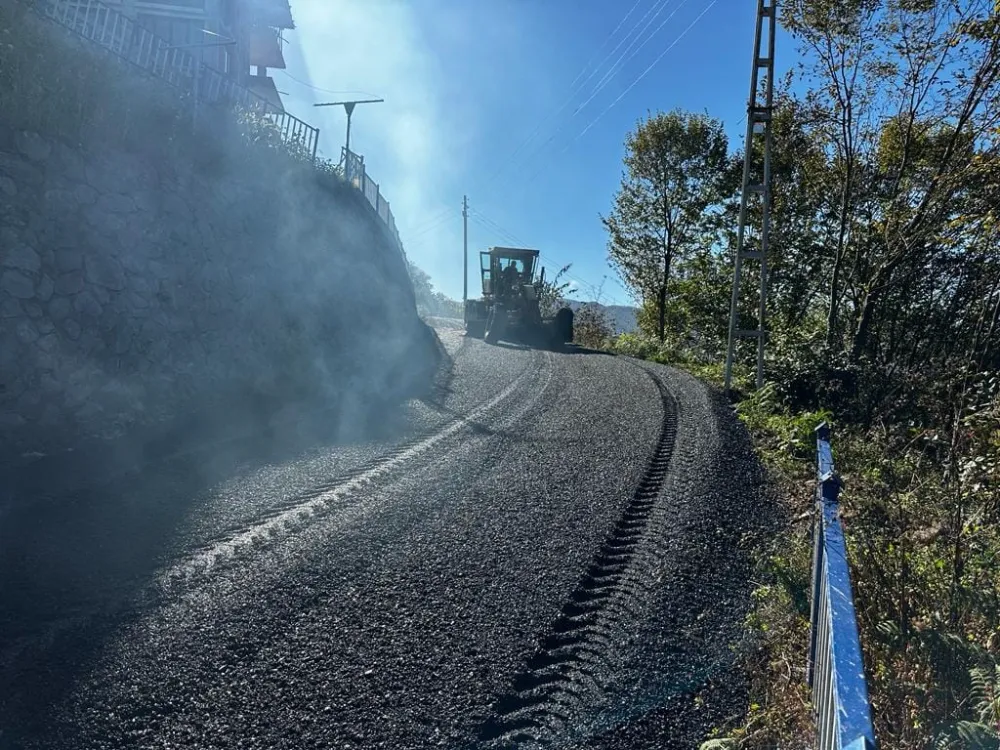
(758,123)
(349,108)
(465,252)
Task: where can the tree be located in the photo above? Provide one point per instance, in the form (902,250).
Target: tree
(838,36)
(801,179)
(423,289)
(430,302)
(552,291)
(883,308)
(675,168)
(897,119)
(886,173)
(591,327)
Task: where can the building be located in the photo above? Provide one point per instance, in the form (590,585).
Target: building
(255,25)
(264,22)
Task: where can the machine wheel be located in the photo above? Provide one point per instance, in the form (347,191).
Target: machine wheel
(475,328)
(564,326)
(495,325)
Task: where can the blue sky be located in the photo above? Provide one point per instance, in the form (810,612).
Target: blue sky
(517,103)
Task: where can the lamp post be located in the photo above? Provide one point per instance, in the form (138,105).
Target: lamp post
(349,108)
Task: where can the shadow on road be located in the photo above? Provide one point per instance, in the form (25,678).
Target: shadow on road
(82,533)
(577,349)
(565,349)
(512,345)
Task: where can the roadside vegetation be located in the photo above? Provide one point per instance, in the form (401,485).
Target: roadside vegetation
(884,318)
(430,302)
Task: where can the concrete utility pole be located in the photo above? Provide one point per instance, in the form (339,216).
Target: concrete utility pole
(349,108)
(758,123)
(465,252)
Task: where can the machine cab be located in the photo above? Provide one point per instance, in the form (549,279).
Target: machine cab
(504,268)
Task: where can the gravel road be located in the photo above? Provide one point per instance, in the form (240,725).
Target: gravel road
(552,552)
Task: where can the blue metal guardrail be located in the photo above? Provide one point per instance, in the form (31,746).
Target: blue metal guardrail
(836,671)
(117,33)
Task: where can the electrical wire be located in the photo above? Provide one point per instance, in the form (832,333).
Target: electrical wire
(619,62)
(645,72)
(575,89)
(433,219)
(435,226)
(492,226)
(658,5)
(620,285)
(446,214)
(322,90)
(608,76)
(503,234)
(617,66)
(607,39)
(630,86)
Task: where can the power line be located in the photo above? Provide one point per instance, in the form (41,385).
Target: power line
(433,219)
(593,288)
(317,88)
(606,40)
(435,226)
(488,223)
(657,4)
(446,214)
(659,7)
(582,283)
(646,71)
(575,89)
(620,285)
(617,66)
(496,229)
(630,86)
(608,77)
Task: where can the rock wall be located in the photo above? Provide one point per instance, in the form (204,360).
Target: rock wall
(135,288)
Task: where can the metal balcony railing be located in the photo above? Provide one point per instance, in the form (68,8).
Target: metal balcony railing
(130,41)
(836,670)
(355,173)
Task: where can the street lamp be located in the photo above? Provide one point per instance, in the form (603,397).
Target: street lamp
(349,108)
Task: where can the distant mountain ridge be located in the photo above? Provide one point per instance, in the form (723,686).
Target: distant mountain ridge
(623,318)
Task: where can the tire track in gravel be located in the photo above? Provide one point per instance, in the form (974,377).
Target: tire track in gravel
(335,495)
(563,677)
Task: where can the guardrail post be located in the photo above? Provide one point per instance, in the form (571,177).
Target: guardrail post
(814,590)
(827,488)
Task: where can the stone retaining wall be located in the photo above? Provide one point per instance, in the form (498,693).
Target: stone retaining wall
(134,288)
